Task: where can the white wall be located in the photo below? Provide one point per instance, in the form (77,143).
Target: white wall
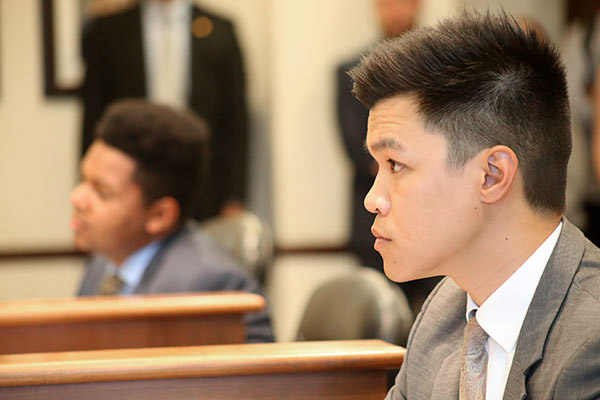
(37,138)
(40,278)
(310,171)
(548,13)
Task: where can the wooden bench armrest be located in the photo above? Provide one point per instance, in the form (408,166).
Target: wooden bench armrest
(70,310)
(198,361)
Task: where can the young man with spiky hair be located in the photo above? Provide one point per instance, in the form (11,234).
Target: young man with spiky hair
(469,124)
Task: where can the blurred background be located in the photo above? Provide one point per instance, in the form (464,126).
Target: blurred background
(299,176)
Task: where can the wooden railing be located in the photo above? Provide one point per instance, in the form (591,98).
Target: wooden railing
(299,370)
(91,323)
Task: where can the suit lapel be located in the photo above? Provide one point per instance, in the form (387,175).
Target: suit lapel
(442,321)
(446,382)
(157,261)
(544,307)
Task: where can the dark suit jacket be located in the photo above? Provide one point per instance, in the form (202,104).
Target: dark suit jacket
(190,261)
(557,355)
(113,53)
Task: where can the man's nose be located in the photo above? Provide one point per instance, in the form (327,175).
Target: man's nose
(377,200)
(79,198)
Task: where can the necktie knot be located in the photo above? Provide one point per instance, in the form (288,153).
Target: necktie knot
(475,337)
(111,284)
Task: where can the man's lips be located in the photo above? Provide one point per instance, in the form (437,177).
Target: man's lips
(380,240)
(378,235)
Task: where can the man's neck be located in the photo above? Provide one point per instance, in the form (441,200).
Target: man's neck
(508,244)
(117,258)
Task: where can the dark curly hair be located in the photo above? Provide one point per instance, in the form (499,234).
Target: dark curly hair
(170,148)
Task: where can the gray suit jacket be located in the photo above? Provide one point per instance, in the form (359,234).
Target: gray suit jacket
(190,261)
(557,355)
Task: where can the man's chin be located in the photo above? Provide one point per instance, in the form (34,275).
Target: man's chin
(398,273)
(81,244)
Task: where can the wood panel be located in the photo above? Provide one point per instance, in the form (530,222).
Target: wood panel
(92,323)
(299,370)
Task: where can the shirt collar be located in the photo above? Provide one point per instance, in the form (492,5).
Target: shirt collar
(502,314)
(134,266)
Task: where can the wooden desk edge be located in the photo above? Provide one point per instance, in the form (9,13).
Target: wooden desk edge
(197,361)
(52,311)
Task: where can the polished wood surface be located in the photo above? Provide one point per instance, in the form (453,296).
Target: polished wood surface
(299,370)
(92,323)
(22,312)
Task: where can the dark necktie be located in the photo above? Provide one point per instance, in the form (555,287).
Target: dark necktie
(473,369)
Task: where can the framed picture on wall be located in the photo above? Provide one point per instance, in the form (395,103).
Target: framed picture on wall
(63,22)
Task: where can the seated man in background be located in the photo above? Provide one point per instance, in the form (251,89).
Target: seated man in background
(140,179)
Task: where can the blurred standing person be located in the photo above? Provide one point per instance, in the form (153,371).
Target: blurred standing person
(178,54)
(395,18)
(581,51)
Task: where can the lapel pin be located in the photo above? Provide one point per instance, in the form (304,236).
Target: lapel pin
(202,27)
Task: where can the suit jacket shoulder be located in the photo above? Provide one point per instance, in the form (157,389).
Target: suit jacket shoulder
(192,261)
(113,36)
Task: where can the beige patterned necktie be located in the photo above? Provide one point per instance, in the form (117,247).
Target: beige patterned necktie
(111,285)
(474,362)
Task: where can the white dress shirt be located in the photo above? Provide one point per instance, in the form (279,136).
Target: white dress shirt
(502,314)
(166,38)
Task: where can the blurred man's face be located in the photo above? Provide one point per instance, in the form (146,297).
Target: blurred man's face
(397,16)
(109,212)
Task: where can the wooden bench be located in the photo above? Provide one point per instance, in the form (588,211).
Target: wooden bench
(298,370)
(91,323)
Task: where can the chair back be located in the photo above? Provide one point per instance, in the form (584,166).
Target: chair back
(362,304)
(247,238)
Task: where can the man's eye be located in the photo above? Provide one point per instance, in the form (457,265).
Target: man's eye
(102,193)
(395,166)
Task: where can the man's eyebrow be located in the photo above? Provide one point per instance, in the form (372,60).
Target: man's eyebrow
(386,143)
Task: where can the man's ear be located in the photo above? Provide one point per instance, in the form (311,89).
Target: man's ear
(500,168)
(163,215)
